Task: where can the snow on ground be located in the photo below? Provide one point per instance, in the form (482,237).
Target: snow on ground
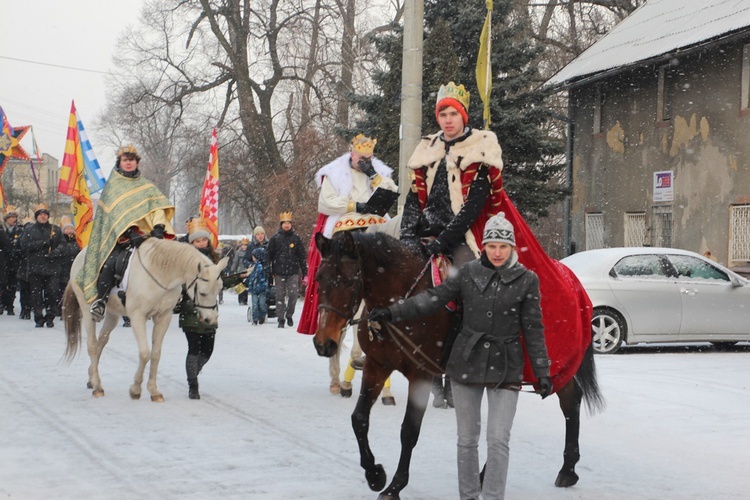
(676,425)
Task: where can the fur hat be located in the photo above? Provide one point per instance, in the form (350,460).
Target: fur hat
(499,229)
(10,211)
(258,229)
(40,209)
(197,228)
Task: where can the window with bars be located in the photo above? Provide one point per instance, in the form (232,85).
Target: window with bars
(661,226)
(594,231)
(739,234)
(635,229)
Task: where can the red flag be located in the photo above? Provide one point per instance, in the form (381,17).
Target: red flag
(209,208)
(73,181)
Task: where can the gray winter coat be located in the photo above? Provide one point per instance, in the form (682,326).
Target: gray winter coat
(499,305)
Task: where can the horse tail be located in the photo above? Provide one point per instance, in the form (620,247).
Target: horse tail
(71,310)
(587,381)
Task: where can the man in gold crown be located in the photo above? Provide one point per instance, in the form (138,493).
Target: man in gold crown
(39,241)
(286,258)
(346,184)
(11,258)
(130,209)
(456,185)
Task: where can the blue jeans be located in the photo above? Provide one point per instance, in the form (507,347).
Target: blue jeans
(258,301)
(501,411)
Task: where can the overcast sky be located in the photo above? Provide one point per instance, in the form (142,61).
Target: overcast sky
(39,36)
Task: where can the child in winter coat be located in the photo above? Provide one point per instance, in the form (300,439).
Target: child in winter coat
(257,286)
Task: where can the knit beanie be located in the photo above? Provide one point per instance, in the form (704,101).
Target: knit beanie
(258,229)
(499,229)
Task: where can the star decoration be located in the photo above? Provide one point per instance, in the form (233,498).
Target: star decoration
(9,144)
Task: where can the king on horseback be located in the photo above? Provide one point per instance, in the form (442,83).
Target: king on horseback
(131,208)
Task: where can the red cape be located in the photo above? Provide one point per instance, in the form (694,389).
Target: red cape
(308,322)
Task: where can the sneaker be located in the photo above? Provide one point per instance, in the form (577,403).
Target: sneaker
(262,320)
(50,323)
(289,322)
(358,363)
(255,323)
(97,310)
(39,324)
(281,324)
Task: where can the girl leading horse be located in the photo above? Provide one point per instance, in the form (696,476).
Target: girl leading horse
(379,270)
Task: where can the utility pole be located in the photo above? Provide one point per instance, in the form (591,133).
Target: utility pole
(410,129)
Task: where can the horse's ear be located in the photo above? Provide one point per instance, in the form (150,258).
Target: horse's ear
(323,244)
(348,244)
(222,263)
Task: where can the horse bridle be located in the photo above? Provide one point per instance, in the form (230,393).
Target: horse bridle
(353,304)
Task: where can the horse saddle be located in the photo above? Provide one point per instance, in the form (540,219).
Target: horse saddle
(440,268)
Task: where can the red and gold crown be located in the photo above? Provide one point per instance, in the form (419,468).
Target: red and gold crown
(453,91)
(285,217)
(363,144)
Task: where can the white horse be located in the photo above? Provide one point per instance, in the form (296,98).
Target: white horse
(158,271)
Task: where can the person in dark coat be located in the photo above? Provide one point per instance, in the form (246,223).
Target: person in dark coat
(199,335)
(287,259)
(238,266)
(67,253)
(39,241)
(12,231)
(502,315)
(22,275)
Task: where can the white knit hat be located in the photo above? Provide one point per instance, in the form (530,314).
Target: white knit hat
(499,229)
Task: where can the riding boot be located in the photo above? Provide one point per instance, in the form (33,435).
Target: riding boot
(104,285)
(438,400)
(192,367)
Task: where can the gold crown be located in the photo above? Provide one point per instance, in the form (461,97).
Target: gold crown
(127,149)
(363,144)
(10,209)
(40,206)
(245,241)
(197,225)
(457,92)
(285,217)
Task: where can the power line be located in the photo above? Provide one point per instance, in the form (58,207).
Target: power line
(54,65)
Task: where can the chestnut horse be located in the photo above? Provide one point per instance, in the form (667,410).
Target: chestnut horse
(380,269)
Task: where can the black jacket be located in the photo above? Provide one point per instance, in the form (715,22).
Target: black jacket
(38,243)
(285,255)
(66,254)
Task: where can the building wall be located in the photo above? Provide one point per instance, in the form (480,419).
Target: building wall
(706,143)
(22,192)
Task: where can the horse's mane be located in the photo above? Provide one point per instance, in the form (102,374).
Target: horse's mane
(168,254)
(384,249)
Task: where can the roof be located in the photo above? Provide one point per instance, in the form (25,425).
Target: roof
(656,28)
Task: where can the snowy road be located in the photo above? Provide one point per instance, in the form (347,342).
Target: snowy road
(676,425)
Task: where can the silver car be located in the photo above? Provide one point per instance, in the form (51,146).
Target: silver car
(657,295)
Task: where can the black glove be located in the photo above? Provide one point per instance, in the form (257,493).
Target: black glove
(134,236)
(545,387)
(365,166)
(362,208)
(380,315)
(157,231)
(434,247)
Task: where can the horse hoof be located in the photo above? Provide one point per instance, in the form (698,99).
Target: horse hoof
(376,478)
(388,496)
(566,479)
(98,393)
(389,400)
(346,393)
(135,395)
(157,398)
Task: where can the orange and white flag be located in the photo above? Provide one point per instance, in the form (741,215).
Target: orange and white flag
(209,208)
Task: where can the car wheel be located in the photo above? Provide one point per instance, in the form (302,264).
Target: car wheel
(723,346)
(608,328)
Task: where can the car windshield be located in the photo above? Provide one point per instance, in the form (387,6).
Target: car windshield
(691,268)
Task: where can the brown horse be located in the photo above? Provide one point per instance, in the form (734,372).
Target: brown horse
(379,269)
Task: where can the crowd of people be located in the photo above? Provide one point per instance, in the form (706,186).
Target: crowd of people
(35,260)
(451,212)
